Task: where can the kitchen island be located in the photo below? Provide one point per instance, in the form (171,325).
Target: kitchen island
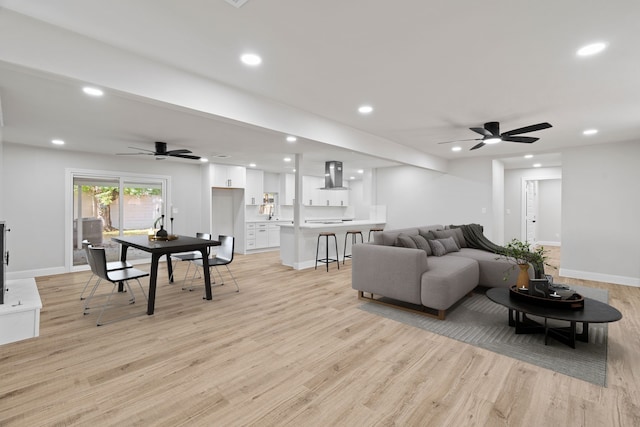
(304,244)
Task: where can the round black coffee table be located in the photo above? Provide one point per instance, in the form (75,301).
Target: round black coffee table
(593,312)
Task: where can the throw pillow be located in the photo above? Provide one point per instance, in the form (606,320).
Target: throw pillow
(422,243)
(437,248)
(442,234)
(428,235)
(449,244)
(405,241)
(462,243)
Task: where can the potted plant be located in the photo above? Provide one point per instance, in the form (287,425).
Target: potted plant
(520,253)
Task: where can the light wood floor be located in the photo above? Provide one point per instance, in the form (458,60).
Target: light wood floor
(292,348)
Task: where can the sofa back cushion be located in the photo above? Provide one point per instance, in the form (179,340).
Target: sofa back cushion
(405,241)
(388,237)
(422,243)
(456,233)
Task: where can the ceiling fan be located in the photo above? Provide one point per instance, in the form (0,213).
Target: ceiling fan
(491,134)
(162,153)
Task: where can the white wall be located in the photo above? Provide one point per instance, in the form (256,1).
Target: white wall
(34,199)
(601,213)
(549,221)
(416,196)
(513,196)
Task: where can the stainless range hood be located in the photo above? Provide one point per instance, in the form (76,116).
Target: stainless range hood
(333,176)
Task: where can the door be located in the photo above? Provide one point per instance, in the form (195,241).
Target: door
(531,211)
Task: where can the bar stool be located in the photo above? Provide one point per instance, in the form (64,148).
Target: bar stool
(354,240)
(374,230)
(327,260)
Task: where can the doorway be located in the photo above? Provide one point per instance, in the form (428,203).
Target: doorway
(541,211)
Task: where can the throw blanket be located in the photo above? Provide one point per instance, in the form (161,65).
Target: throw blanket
(475,238)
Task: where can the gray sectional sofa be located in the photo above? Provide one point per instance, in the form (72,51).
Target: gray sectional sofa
(399,267)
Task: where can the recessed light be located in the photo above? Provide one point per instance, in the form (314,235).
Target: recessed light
(365,109)
(291,138)
(456,148)
(287,159)
(536,165)
(204,159)
(528,156)
(57,142)
(353,177)
(360,170)
(590,132)
(92,91)
(252,165)
(251,59)
(591,49)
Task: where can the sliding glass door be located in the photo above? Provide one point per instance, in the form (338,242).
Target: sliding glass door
(107,206)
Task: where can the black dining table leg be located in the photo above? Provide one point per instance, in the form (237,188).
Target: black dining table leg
(153,278)
(170,268)
(123,258)
(207,274)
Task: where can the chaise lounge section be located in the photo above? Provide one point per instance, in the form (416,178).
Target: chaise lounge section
(393,270)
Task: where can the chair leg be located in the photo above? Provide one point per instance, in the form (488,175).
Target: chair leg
(85,287)
(317,249)
(335,239)
(87,301)
(234,279)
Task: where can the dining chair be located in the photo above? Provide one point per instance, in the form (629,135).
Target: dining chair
(98,263)
(224,257)
(111,266)
(189,256)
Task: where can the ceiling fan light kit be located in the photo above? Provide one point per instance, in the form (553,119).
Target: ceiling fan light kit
(491,134)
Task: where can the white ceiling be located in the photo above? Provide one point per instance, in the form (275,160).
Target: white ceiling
(431,69)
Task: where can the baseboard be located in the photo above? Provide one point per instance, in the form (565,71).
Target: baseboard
(547,243)
(26,274)
(599,277)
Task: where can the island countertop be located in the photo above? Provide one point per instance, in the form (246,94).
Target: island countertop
(334,224)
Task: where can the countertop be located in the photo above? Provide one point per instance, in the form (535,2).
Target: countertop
(332,224)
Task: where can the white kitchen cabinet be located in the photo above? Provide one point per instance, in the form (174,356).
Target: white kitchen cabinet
(250,236)
(227,176)
(262,235)
(287,188)
(254,188)
(311,193)
(274,235)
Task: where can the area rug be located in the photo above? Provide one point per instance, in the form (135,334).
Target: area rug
(478,321)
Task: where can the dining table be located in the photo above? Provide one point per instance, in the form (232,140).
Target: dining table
(157,248)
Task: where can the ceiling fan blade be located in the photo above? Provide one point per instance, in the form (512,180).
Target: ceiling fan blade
(527,129)
(460,140)
(184,156)
(525,139)
(143,149)
(475,147)
(180,151)
(481,131)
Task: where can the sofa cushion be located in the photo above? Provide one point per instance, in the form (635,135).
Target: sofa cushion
(422,243)
(447,280)
(388,238)
(493,269)
(449,244)
(437,248)
(456,233)
(427,234)
(405,241)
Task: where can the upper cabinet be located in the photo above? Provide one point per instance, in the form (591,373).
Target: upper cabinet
(287,188)
(227,176)
(311,191)
(255,187)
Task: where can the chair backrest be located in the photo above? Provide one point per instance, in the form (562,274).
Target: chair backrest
(99,261)
(225,250)
(206,236)
(92,265)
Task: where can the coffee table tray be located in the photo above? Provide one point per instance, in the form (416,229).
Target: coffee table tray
(562,303)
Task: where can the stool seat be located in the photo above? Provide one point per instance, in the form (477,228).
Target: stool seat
(326,259)
(373,230)
(354,234)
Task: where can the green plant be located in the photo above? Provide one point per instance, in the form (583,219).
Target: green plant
(519,252)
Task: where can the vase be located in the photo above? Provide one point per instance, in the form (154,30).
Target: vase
(523,276)
(162,232)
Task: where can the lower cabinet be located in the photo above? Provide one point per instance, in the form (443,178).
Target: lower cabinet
(262,235)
